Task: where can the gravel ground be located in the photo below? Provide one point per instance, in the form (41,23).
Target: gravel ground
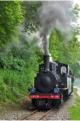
(62,113)
(15,113)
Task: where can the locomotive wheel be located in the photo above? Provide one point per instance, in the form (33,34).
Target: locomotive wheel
(34,102)
(57,103)
(48,104)
(65,95)
(42,103)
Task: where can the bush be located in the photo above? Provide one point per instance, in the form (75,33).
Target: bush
(75,108)
(18,66)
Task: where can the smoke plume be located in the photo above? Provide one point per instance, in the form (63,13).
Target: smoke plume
(54,14)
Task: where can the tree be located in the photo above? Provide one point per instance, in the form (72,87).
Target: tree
(65,51)
(31,21)
(10,17)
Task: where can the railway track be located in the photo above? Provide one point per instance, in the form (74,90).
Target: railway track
(46,114)
(27,116)
(52,114)
(36,115)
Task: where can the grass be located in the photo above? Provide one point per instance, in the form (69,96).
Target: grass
(75,109)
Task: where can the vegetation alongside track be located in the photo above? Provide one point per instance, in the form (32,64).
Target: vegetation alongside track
(75,109)
(17,71)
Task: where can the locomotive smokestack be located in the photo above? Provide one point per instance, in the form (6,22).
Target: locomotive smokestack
(46,50)
(46,62)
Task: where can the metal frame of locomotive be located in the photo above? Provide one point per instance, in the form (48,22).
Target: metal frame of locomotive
(53,83)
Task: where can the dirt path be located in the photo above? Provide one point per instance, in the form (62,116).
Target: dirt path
(59,114)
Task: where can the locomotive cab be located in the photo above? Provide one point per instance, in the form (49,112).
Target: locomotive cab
(66,79)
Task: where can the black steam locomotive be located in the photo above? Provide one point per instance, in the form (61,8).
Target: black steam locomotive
(53,84)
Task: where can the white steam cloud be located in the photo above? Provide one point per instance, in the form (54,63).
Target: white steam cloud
(55,14)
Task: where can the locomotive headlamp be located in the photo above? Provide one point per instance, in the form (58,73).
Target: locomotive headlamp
(56,85)
(56,90)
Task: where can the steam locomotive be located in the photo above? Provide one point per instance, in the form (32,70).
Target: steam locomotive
(52,85)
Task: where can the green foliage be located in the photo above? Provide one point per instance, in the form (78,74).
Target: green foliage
(10,18)
(13,85)
(66,51)
(8,61)
(32,22)
(18,66)
(75,109)
(77,10)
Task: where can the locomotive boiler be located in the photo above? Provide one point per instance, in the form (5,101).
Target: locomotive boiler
(52,84)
